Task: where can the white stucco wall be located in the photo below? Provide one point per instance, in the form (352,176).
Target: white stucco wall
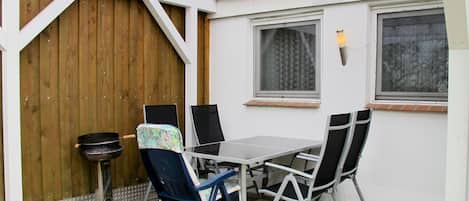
(404,158)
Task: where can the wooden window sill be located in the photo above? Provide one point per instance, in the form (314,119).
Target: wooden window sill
(258,103)
(408,107)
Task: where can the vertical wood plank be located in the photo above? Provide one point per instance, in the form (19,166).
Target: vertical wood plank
(105,63)
(206,64)
(87,78)
(105,84)
(49,132)
(50,138)
(161,90)
(68,93)
(94,96)
(136,83)
(203,72)
(150,38)
(28,9)
(200,60)
(91,38)
(164,67)
(121,81)
(150,55)
(177,67)
(30,118)
(30,113)
(178,15)
(83,171)
(173,68)
(128,126)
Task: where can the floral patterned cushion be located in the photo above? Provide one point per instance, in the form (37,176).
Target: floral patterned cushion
(159,136)
(167,137)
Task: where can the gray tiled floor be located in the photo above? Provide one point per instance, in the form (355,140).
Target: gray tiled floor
(136,193)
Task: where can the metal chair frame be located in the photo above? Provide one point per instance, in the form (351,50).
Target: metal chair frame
(216,166)
(351,174)
(293,174)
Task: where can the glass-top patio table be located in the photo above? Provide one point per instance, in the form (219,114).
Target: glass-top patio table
(251,152)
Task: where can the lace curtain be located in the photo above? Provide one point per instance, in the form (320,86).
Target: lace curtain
(288,58)
(414,54)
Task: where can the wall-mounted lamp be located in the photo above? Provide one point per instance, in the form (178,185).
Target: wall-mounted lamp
(341,43)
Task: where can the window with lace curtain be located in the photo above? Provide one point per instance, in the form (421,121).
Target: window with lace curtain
(412,56)
(287,60)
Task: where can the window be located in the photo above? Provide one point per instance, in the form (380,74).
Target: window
(287,60)
(412,56)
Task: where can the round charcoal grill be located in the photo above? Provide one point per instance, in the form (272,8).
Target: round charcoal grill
(101,148)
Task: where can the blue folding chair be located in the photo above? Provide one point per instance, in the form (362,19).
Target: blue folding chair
(170,172)
(159,114)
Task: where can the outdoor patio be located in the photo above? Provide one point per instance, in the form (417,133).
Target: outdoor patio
(257,100)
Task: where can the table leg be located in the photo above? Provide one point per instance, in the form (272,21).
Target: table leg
(242,180)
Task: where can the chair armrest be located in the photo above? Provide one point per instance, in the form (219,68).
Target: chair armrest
(216,179)
(291,170)
(308,157)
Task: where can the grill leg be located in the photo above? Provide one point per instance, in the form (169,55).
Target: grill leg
(355,183)
(104,192)
(107,180)
(100,190)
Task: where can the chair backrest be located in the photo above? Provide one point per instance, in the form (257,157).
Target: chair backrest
(360,134)
(160,114)
(337,133)
(161,150)
(207,124)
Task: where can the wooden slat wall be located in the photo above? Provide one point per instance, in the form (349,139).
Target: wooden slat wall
(92,70)
(203,70)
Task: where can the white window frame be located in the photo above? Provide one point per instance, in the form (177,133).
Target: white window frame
(377,9)
(285,20)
